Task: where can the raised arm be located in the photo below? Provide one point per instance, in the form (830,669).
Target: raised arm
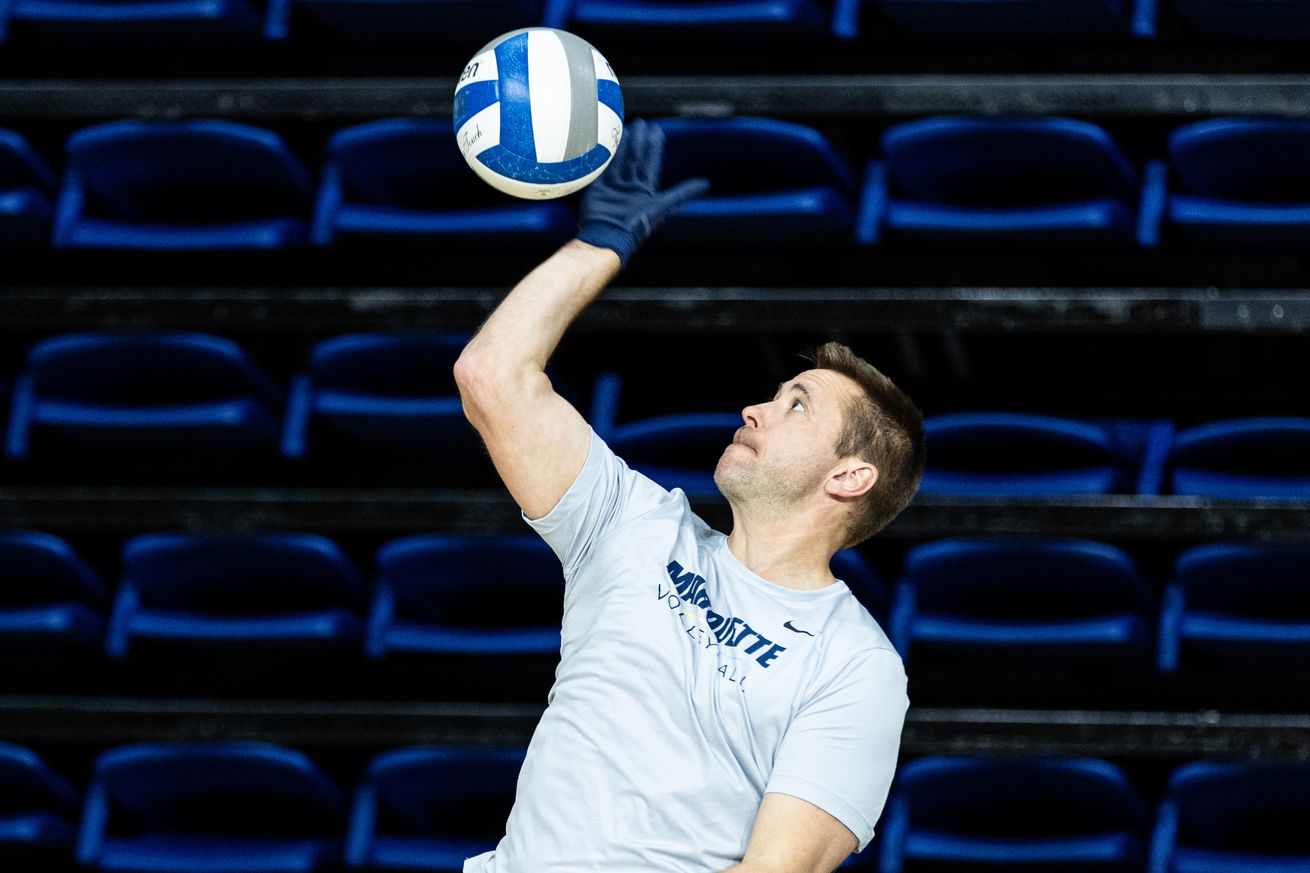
(537,440)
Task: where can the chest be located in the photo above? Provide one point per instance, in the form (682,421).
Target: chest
(693,637)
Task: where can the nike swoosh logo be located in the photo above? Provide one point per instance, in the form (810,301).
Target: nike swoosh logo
(788,625)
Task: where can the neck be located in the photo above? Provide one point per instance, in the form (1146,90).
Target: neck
(782,548)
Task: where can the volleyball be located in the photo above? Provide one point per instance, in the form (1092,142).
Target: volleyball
(538,113)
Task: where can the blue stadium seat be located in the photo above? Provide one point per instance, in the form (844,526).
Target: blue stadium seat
(1230,21)
(677,451)
(774,183)
(405,180)
(380,394)
(222,592)
(38,809)
(1245,458)
(753,21)
(466,595)
(1018,181)
(850,566)
(1005,21)
(1234,605)
(401,23)
(1030,599)
(1236,182)
(1012,814)
(49,597)
(181,185)
(138,22)
(430,808)
(27,189)
(166,396)
(998,454)
(207,807)
(1234,818)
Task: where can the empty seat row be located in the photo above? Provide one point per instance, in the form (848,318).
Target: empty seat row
(228,806)
(274,590)
(1026,182)
(198,398)
(1226,605)
(619,22)
(201,399)
(1085,814)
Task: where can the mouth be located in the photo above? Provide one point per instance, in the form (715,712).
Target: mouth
(738,441)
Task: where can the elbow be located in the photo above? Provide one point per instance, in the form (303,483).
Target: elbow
(472,380)
(487,388)
(466,372)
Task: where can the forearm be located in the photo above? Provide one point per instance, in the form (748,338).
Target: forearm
(525,329)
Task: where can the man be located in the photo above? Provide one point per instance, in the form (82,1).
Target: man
(721,703)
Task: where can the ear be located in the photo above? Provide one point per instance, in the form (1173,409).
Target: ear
(853,478)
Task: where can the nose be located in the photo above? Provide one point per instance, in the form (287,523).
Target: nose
(752,417)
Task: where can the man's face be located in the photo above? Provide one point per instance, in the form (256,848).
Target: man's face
(785,448)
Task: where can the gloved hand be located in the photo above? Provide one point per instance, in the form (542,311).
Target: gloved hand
(622,208)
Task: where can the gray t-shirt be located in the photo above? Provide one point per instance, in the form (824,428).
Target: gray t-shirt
(687,688)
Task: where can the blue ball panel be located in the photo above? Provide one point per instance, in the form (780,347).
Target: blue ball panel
(608,92)
(515,97)
(472,99)
(504,162)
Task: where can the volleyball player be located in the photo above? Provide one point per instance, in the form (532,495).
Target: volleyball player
(721,702)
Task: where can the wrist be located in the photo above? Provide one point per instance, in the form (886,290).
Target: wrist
(610,238)
(589,251)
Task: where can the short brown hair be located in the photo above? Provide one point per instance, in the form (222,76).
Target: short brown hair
(883,427)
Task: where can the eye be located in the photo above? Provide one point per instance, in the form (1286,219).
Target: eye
(798,402)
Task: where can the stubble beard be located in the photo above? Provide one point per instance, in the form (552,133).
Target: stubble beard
(758,490)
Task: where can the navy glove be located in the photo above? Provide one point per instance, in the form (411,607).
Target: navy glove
(622,208)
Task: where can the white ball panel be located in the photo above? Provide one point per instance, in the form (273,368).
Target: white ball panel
(550,93)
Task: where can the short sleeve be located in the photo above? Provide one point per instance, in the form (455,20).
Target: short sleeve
(605,494)
(839,752)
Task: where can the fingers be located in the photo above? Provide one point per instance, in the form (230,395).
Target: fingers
(679,194)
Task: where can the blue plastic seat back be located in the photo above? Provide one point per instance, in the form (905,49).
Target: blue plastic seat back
(1258,581)
(37,569)
(751,155)
(145,370)
(1026,580)
(407,23)
(1019,797)
(1249,159)
(238,788)
(1005,162)
(1257,808)
(27,784)
(464,793)
(777,21)
(392,365)
(407,162)
(242,574)
(474,582)
(187,172)
(1016,442)
(690,441)
(20,166)
(1268,446)
(850,566)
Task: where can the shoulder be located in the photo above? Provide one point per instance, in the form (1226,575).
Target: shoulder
(859,632)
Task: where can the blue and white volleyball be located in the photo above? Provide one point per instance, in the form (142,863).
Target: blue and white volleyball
(538,113)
